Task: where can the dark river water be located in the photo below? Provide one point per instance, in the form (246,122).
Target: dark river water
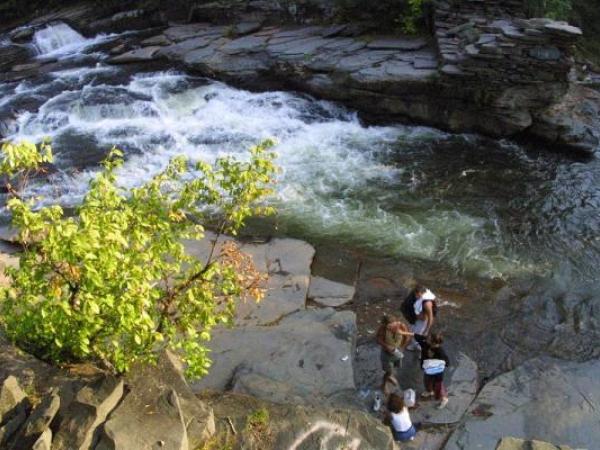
(478,207)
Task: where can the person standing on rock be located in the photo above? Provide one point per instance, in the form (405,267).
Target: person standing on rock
(419,309)
(434,362)
(392,336)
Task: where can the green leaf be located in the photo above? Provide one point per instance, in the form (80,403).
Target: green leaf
(115,283)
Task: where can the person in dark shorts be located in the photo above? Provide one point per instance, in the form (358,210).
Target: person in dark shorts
(393,337)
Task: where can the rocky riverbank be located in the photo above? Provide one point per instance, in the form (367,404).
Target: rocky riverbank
(524,351)
(484,69)
(297,358)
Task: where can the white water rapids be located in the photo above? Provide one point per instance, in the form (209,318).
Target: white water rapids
(478,206)
(59,39)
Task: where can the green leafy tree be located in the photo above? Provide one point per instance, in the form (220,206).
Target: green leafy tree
(554,9)
(413,12)
(113,283)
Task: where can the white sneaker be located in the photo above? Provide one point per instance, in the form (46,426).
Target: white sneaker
(427,394)
(377,403)
(443,403)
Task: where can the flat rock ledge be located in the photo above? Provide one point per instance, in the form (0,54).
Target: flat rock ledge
(279,350)
(329,293)
(544,399)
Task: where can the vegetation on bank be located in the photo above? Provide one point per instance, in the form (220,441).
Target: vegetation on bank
(554,9)
(114,283)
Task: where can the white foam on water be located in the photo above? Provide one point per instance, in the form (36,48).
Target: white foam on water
(334,182)
(60,39)
(82,74)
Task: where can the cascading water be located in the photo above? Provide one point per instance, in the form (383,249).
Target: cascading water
(56,37)
(413,192)
(59,39)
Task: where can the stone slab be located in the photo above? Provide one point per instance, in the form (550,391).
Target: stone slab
(138,55)
(462,384)
(182,32)
(329,293)
(91,407)
(246,44)
(392,43)
(306,357)
(162,410)
(563,28)
(510,443)
(37,423)
(544,399)
(163,427)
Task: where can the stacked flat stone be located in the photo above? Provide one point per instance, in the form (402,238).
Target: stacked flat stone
(492,42)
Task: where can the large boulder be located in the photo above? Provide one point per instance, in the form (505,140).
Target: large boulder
(87,411)
(13,409)
(37,423)
(161,408)
(160,425)
(572,122)
(544,399)
(11,395)
(306,357)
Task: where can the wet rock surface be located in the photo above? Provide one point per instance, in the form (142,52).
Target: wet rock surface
(553,318)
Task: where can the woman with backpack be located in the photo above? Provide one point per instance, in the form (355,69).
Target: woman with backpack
(419,309)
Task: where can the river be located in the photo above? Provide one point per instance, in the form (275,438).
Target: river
(479,208)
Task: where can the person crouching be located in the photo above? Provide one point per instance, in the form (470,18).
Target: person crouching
(399,420)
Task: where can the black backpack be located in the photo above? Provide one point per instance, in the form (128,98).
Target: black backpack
(408,308)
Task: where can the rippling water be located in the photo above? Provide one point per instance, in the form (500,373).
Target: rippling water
(479,206)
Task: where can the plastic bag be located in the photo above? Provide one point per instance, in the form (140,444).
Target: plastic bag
(410,398)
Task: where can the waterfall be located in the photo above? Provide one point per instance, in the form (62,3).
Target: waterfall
(58,37)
